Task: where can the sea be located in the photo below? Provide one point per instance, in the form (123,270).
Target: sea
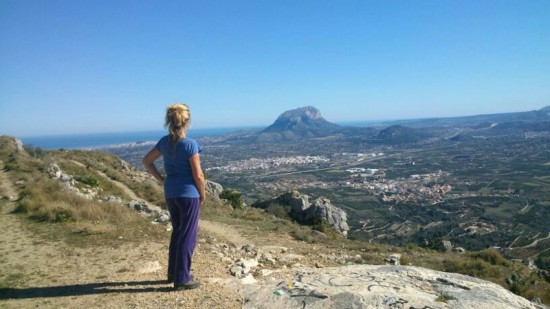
(98,140)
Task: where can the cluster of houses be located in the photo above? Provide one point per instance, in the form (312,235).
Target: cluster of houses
(431,186)
(267,163)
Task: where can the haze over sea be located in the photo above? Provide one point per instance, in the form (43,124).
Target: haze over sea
(95,140)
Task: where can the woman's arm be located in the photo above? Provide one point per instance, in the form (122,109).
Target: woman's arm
(196,169)
(150,167)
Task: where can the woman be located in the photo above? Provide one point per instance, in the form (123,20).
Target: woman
(183,189)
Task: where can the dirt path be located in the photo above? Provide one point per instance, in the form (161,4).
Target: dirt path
(45,274)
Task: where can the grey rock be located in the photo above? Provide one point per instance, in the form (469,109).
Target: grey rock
(18,145)
(236,270)
(529,263)
(54,170)
(113,199)
(137,205)
(393,259)
(319,234)
(164,217)
(446,245)
(330,214)
(379,286)
(155,210)
(306,212)
(213,188)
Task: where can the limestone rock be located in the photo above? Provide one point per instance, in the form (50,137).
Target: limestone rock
(393,259)
(213,188)
(445,245)
(113,199)
(306,212)
(145,208)
(459,249)
(379,286)
(330,214)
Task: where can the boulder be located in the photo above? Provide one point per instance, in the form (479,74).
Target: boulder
(393,259)
(459,249)
(306,212)
(328,213)
(445,245)
(213,188)
(113,199)
(54,170)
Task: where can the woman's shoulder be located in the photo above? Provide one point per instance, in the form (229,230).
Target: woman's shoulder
(164,139)
(188,140)
(191,145)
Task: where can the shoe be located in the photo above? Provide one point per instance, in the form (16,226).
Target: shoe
(170,278)
(189,285)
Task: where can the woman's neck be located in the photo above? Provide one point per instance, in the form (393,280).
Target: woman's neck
(181,133)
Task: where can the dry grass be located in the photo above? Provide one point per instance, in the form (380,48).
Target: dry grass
(46,200)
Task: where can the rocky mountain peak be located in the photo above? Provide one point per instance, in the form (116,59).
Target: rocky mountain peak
(302,122)
(302,114)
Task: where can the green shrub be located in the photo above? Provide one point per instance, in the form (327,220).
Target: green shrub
(476,268)
(491,256)
(234,197)
(405,259)
(278,211)
(543,261)
(87,180)
(35,152)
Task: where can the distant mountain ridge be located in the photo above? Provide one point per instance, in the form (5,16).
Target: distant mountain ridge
(397,134)
(542,114)
(307,123)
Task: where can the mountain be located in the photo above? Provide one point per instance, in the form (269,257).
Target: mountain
(476,121)
(90,196)
(397,134)
(304,122)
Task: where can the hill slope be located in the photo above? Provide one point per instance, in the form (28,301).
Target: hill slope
(83,261)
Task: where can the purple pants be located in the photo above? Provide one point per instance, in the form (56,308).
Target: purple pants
(184,213)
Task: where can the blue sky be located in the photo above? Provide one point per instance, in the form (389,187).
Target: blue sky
(113,66)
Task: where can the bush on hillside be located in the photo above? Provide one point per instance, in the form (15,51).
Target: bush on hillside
(491,256)
(278,211)
(234,198)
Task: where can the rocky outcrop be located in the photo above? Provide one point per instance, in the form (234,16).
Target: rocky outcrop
(379,286)
(305,212)
(213,189)
(145,208)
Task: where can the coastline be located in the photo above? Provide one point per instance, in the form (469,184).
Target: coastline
(92,141)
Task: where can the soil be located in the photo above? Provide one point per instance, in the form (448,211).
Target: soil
(38,272)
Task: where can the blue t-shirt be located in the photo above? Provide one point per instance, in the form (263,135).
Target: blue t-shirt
(179,180)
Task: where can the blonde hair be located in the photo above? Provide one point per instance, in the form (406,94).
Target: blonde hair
(177,118)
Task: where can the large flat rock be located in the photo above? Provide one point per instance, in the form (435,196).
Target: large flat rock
(380,286)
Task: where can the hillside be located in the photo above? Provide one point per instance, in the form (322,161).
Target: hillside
(397,134)
(71,239)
